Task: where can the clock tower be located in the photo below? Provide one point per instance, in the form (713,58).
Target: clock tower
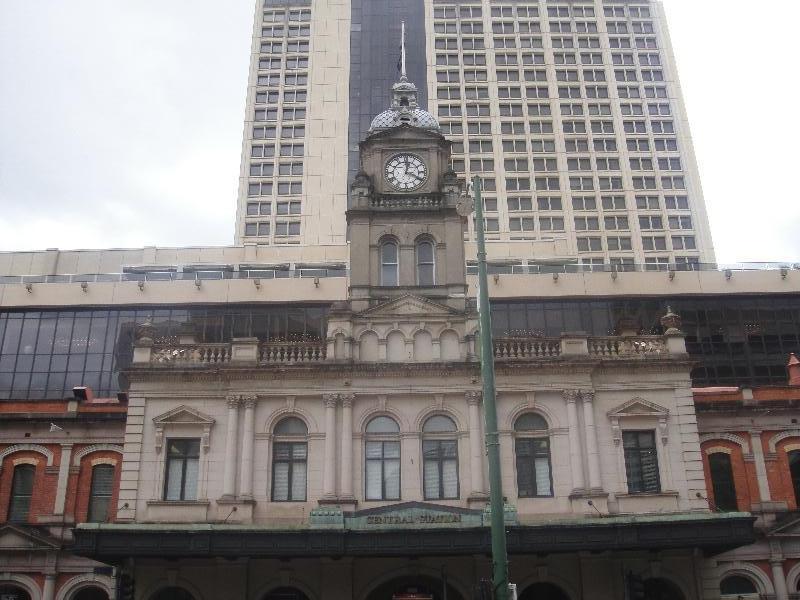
(406,236)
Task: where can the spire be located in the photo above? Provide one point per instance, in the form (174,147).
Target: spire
(403,51)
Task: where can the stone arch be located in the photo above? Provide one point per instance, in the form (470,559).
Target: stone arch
(281,413)
(28,448)
(283,582)
(449,345)
(430,411)
(76,460)
(779,437)
(368,346)
(793,578)
(728,437)
(180,582)
(23,581)
(525,407)
(417,570)
(396,346)
(553,578)
(72,586)
(761,580)
(386,411)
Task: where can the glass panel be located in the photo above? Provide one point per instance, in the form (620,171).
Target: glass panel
(299,481)
(439,423)
(291,426)
(392,479)
(101,491)
(450,478)
(383,425)
(431,480)
(530,422)
(190,484)
(722,481)
(542,467)
(174,479)
(21,492)
(280,481)
(373,484)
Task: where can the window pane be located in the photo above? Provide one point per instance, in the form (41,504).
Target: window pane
(542,466)
(101,491)
(190,484)
(431,480)
(299,481)
(21,492)
(722,481)
(450,478)
(280,481)
(389,275)
(392,478)
(174,477)
(373,475)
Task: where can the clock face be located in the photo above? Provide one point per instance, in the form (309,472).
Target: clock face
(406,171)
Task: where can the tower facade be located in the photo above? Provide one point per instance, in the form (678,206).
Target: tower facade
(571,112)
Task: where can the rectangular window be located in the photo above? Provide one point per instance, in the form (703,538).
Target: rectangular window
(533,467)
(641,462)
(382,471)
(21,493)
(287,228)
(102,488)
(519,204)
(440,470)
(183,465)
(289,471)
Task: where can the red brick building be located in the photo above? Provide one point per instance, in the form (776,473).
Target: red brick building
(750,442)
(59,465)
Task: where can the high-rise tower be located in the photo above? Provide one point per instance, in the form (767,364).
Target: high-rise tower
(571,112)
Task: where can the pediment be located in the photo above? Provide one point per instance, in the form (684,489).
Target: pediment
(408,508)
(409,305)
(13,537)
(183,415)
(638,407)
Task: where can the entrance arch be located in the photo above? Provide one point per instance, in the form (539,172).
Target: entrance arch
(90,593)
(13,592)
(543,590)
(661,589)
(424,586)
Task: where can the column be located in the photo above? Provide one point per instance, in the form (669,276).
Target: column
(346,487)
(329,479)
(575,457)
(761,466)
(63,479)
(248,439)
(49,588)
(475,446)
(592,452)
(779,580)
(231,443)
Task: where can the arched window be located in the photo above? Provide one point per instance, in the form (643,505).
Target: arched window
(736,585)
(532,452)
(724,488)
(289,461)
(389,263)
(425,263)
(100,493)
(382,459)
(21,493)
(794,471)
(440,458)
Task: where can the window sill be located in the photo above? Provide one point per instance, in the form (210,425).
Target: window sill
(662,494)
(178,503)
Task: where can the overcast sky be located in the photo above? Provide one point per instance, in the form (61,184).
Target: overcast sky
(121,122)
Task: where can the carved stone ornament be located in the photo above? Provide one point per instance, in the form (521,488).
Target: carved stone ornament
(249,401)
(473,397)
(347,400)
(183,416)
(330,400)
(145,334)
(570,396)
(233,401)
(671,322)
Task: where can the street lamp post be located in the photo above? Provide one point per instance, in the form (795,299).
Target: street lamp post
(496,503)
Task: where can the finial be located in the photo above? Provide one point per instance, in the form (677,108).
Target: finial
(402,50)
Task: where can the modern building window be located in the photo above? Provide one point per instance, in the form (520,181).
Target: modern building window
(425,263)
(794,470)
(290,461)
(382,459)
(100,493)
(183,466)
(532,453)
(724,489)
(641,462)
(440,454)
(21,493)
(389,263)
